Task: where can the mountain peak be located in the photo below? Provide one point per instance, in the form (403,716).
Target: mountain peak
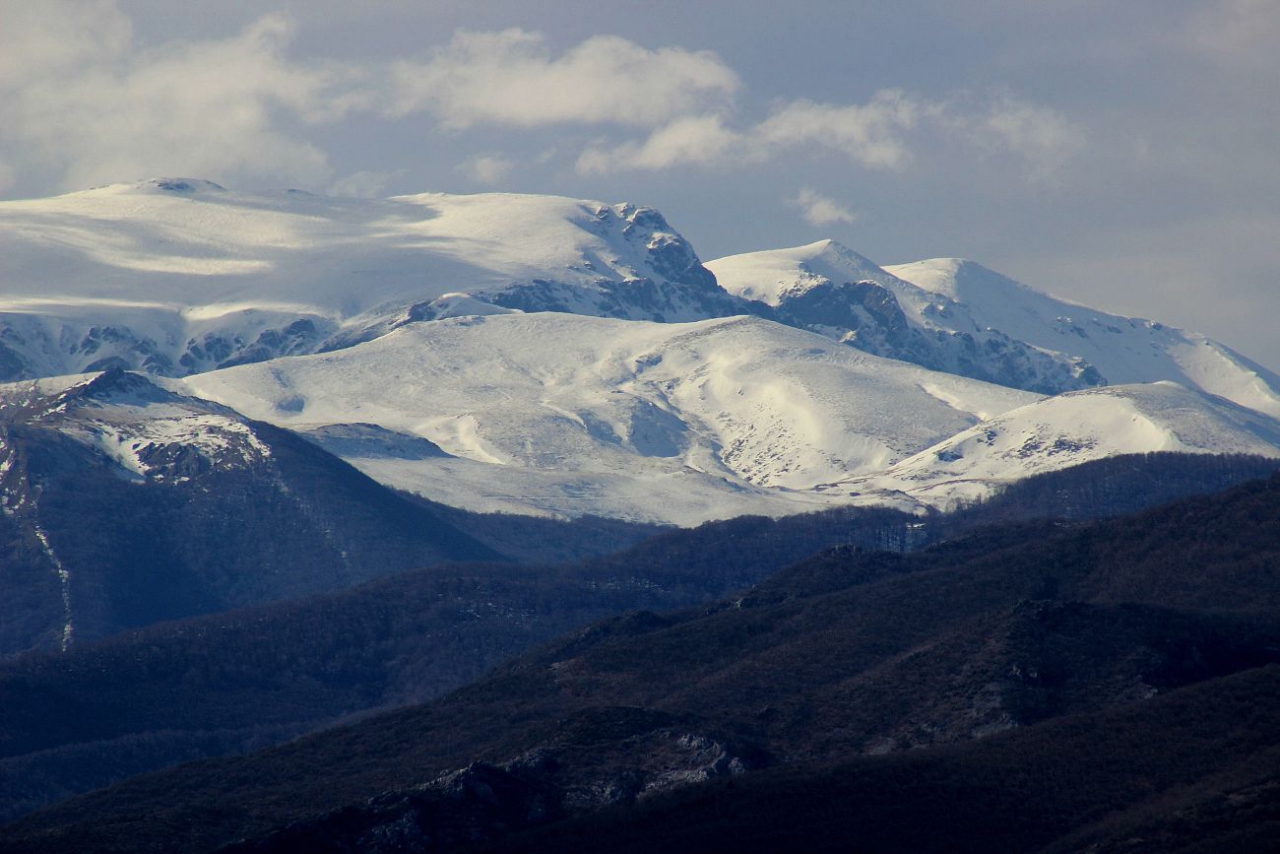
(958,278)
(250,276)
(773,275)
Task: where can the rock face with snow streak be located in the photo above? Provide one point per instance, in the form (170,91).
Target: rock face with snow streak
(125,503)
(179,276)
(142,431)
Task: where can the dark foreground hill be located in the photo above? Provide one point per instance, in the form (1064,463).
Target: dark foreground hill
(242,680)
(1197,770)
(1055,682)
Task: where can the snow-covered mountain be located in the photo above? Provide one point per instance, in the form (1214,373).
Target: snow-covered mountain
(1121,349)
(537,354)
(177,276)
(1065,430)
(566,414)
(145,432)
(833,290)
(680,423)
(960,317)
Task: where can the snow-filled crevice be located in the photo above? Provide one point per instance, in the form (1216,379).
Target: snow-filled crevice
(62,574)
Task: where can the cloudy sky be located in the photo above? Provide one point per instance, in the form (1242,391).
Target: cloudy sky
(1125,155)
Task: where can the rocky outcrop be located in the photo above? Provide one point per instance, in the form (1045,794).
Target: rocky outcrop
(867,315)
(483,801)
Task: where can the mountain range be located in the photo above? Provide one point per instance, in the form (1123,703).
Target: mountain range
(549,356)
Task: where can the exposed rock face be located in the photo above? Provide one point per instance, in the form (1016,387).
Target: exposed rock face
(33,346)
(671,284)
(866,315)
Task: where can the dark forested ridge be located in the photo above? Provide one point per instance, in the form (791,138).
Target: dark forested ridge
(238,680)
(1115,486)
(1116,670)
(1192,771)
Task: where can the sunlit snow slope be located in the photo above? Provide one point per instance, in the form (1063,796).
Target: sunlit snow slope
(564,414)
(1065,430)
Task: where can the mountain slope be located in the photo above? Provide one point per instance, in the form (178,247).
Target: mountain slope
(958,316)
(1088,784)
(566,414)
(1070,429)
(175,276)
(231,682)
(125,504)
(1123,350)
(684,422)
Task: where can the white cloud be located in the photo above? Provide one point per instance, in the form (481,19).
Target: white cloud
(883,133)
(870,134)
(510,78)
(487,168)
(819,210)
(1044,139)
(77,97)
(688,140)
(55,38)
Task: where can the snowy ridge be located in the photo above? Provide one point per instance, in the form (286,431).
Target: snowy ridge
(1123,350)
(177,276)
(668,422)
(1065,430)
(977,322)
(677,423)
(149,433)
(773,276)
(833,290)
